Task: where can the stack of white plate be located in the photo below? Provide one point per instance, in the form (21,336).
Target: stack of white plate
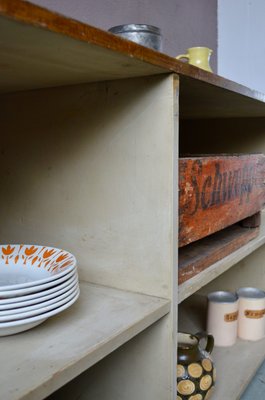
(36,282)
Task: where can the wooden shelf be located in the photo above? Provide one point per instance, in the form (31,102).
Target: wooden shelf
(191,286)
(39,49)
(235,365)
(37,362)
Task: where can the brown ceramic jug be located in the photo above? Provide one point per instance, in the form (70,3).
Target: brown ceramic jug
(195,370)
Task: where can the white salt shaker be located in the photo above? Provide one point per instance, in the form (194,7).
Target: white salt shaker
(251,320)
(222,316)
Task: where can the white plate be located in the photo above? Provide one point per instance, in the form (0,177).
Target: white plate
(36,298)
(29,298)
(13,327)
(51,293)
(31,313)
(23,266)
(41,304)
(20,292)
(20,328)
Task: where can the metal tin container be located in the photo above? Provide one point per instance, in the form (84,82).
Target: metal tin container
(145,35)
(222,316)
(251,320)
(251,293)
(222,297)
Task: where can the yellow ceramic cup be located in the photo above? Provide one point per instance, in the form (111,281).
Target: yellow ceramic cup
(198,56)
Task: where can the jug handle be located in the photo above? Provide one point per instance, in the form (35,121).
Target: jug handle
(183,56)
(209,338)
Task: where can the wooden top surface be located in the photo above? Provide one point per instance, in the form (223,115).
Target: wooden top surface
(40,48)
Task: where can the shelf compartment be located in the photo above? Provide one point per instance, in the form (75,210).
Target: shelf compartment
(38,362)
(190,286)
(235,365)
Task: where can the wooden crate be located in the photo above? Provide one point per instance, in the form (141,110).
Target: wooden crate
(218,191)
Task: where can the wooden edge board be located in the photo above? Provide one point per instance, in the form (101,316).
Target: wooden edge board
(25,12)
(195,283)
(197,256)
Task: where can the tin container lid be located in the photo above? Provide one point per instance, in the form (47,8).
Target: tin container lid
(222,297)
(251,293)
(135,28)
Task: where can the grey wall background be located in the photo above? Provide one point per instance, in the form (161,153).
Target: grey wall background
(184,23)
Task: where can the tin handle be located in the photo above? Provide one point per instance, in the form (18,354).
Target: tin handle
(209,341)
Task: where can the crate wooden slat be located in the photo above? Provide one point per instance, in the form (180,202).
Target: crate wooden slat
(218,191)
(199,255)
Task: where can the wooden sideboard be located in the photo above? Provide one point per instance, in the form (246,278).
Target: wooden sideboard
(92,126)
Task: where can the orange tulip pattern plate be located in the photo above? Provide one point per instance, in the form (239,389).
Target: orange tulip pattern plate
(23,266)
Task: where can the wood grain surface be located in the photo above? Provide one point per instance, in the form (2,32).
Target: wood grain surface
(199,255)
(218,191)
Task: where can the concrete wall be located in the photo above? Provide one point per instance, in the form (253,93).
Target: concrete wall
(184,23)
(241,45)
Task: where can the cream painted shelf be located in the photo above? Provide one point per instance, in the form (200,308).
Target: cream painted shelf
(197,282)
(64,346)
(235,365)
